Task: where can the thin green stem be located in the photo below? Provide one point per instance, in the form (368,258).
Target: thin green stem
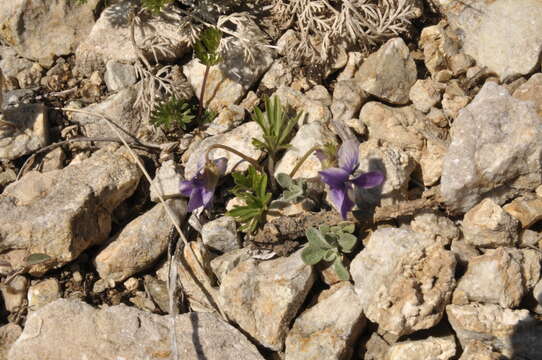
(252,161)
(202,93)
(271,170)
(303,159)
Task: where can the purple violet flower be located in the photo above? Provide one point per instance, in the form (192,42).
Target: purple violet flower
(201,188)
(338,179)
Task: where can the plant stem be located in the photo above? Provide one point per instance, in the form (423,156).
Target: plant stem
(303,159)
(202,93)
(271,170)
(252,161)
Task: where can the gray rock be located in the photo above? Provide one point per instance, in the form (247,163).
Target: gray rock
(12,64)
(29,132)
(434,348)
(404,280)
(279,74)
(488,225)
(425,94)
(463,251)
(109,38)
(119,76)
(389,73)
(228,261)
(348,97)
(512,332)
(139,244)
(168,181)
(43,293)
(531,91)
(493,123)
(436,226)
(228,118)
(63,212)
(294,99)
(328,329)
(221,234)
(308,136)
(34,29)
(8,334)
(124,332)
(15,292)
(264,297)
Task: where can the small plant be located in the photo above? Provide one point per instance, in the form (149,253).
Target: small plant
(206,50)
(201,188)
(328,243)
(155,6)
(252,189)
(172,113)
(294,190)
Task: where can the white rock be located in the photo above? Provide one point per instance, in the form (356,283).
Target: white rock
(279,74)
(433,348)
(43,293)
(119,76)
(168,181)
(315,110)
(348,97)
(228,118)
(228,261)
(425,94)
(221,234)
(436,226)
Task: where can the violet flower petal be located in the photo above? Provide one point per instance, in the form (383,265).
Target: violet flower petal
(196,199)
(186,187)
(334,177)
(221,164)
(349,156)
(369,179)
(340,198)
(207,196)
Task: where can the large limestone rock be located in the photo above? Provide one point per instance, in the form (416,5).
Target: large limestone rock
(493,123)
(328,329)
(62,212)
(404,280)
(41,30)
(8,334)
(140,243)
(389,73)
(432,348)
(64,330)
(531,91)
(263,297)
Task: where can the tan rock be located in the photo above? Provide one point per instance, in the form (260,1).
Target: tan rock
(425,94)
(43,293)
(434,348)
(477,350)
(438,227)
(314,110)
(531,91)
(167,180)
(8,334)
(14,293)
(438,46)
(527,211)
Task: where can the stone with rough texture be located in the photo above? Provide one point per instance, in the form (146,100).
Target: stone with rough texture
(438,45)
(279,74)
(425,94)
(432,348)
(493,123)
(308,136)
(431,162)
(14,293)
(121,332)
(8,334)
(109,38)
(29,132)
(40,30)
(477,350)
(228,118)
(488,225)
(119,76)
(221,234)
(348,97)
(139,244)
(63,212)
(507,331)
(404,280)
(167,180)
(263,297)
(239,139)
(43,293)
(504,35)
(436,226)
(224,263)
(328,329)
(315,111)
(531,91)
(527,211)
(537,292)
(389,73)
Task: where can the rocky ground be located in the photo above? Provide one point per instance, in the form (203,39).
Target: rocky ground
(449,252)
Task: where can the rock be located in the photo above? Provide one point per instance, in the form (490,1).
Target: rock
(63,212)
(353,63)
(527,211)
(488,225)
(404,280)
(537,292)
(168,181)
(11,64)
(239,139)
(43,293)
(319,94)
(452,104)
(531,91)
(460,63)
(29,132)
(464,252)
(436,226)
(477,350)
(425,94)
(124,332)
(279,74)
(493,123)
(109,39)
(375,347)
(393,125)
(485,28)
(498,268)
(54,160)
(119,76)
(307,137)
(511,332)
(14,293)
(228,118)
(228,261)
(439,45)
(8,334)
(294,99)
(529,239)
(389,73)
(119,108)
(158,291)
(221,234)
(434,348)
(431,161)
(34,29)
(530,265)
(264,297)
(131,284)
(139,244)
(348,97)
(328,329)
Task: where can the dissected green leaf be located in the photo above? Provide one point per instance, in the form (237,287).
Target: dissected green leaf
(155,6)
(316,238)
(312,255)
(340,270)
(174,112)
(34,259)
(347,242)
(206,47)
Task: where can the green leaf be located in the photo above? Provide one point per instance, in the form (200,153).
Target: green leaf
(340,270)
(206,47)
(348,227)
(347,242)
(155,6)
(316,238)
(284,180)
(312,255)
(34,259)
(330,255)
(174,112)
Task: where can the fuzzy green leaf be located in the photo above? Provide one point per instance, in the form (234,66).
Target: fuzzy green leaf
(347,242)
(312,255)
(340,270)
(34,259)
(284,180)
(330,255)
(316,238)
